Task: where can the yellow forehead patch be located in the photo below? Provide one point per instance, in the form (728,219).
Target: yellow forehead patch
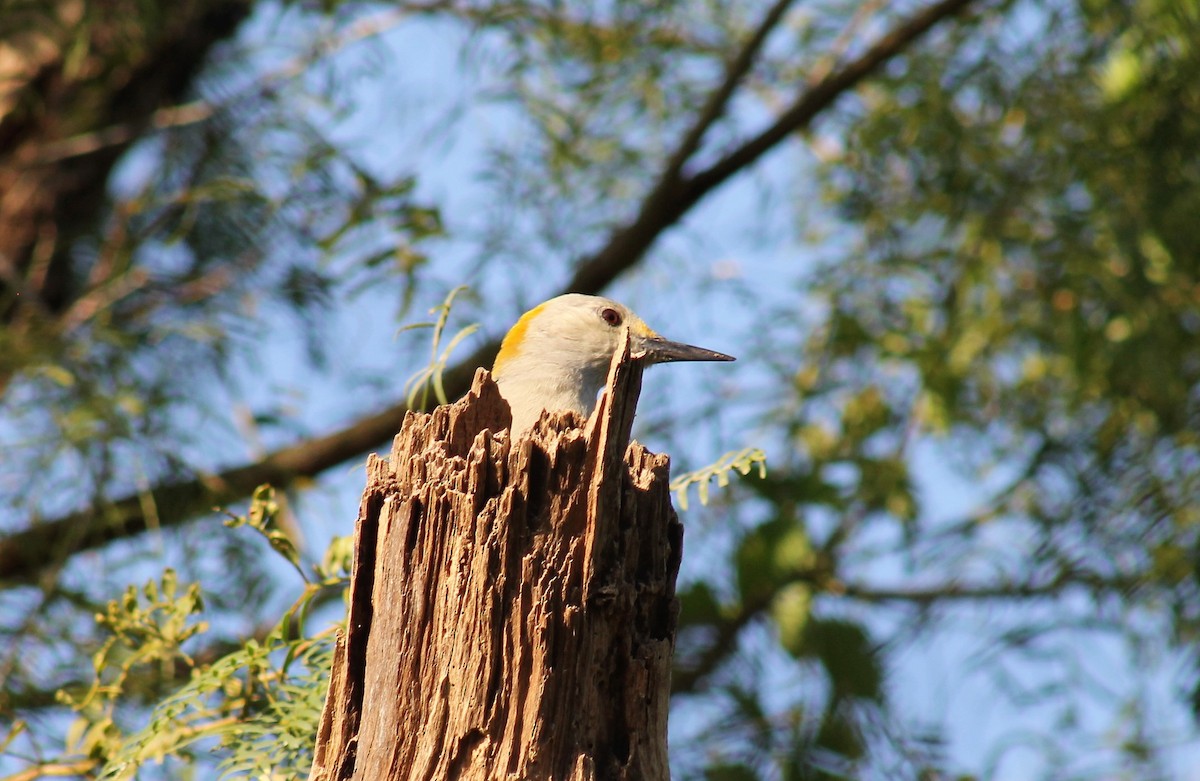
(638,327)
(512,340)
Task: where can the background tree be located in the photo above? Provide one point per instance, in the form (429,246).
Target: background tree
(952,243)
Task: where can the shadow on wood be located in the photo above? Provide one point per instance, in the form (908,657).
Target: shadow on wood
(512,607)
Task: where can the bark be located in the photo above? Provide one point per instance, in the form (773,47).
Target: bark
(512,608)
(67,72)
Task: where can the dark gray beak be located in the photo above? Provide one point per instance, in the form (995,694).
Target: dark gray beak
(659,350)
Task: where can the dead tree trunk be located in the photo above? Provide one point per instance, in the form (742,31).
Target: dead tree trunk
(512,607)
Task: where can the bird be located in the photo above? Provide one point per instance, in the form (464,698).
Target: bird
(556,357)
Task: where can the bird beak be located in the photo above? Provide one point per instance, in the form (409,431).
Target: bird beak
(655,349)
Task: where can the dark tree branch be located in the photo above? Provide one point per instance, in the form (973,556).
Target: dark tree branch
(949,592)
(957,592)
(674,196)
(44,546)
(714,107)
(820,95)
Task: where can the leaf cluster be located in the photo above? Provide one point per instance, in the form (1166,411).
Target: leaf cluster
(254,711)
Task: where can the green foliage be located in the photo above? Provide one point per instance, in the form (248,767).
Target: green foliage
(429,378)
(256,708)
(263,517)
(238,208)
(147,630)
(729,772)
(264,720)
(1041,292)
(743,461)
(698,605)
(771,554)
(791,610)
(848,656)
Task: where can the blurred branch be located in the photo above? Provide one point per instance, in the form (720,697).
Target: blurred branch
(821,95)
(198,111)
(674,195)
(123,134)
(714,107)
(957,592)
(44,206)
(44,545)
(688,678)
(76,769)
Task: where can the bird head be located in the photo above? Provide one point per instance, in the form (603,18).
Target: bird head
(557,355)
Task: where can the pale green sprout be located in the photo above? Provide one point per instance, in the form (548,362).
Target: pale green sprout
(430,376)
(743,461)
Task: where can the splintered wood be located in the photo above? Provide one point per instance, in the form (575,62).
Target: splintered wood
(512,607)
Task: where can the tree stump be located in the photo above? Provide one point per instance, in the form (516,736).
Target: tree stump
(512,605)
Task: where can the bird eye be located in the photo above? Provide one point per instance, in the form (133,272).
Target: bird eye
(611,316)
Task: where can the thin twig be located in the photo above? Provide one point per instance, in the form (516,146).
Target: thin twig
(55,770)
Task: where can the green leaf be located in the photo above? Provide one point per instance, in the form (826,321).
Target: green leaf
(698,605)
(839,735)
(771,555)
(742,461)
(850,659)
(730,772)
(791,611)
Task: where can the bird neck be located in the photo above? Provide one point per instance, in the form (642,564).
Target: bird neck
(530,387)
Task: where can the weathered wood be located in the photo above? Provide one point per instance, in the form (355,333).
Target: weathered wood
(512,607)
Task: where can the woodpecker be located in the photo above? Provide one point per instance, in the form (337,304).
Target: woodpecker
(557,355)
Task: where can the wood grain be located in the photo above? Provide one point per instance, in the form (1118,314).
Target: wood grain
(512,608)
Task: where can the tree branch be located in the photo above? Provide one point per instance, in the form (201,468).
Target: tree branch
(957,592)
(714,107)
(822,94)
(947,592)
(674,196)
(58,150)
(74,769)
(45,546)
(688,678)
(43,207)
